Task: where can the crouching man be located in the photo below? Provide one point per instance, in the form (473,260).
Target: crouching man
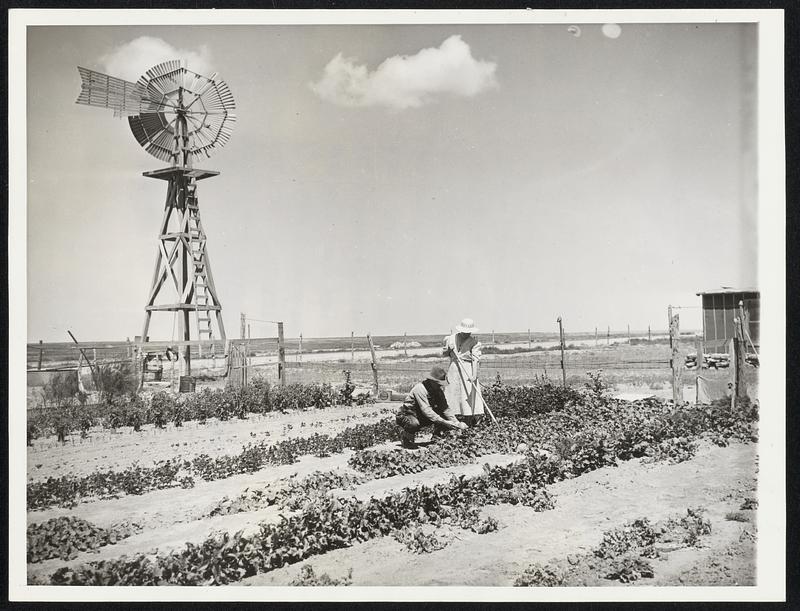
(425,404)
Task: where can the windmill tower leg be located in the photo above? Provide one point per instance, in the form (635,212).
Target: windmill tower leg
(182,262)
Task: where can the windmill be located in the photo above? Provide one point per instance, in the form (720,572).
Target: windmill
(178,116)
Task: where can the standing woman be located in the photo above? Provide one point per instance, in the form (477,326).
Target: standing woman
(464,351)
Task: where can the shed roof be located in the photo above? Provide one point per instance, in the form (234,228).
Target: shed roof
(727,290)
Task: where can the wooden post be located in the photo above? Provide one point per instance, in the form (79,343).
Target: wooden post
(595,336)
(374,364)
(700,352)
(300,349)
(674,361)
(608,336)
(281,357)
(492,335)
(41,353)
(242,323)
(739,349)
(86,358)
(352,347)
(529,339)
(648,333)
(405,343)
(745,316)
(94,355)
(246,356)
(629,334)
(561,339)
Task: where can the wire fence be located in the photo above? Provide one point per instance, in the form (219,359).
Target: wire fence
(399,362)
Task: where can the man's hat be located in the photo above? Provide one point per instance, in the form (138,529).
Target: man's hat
(467,326)
(438,374)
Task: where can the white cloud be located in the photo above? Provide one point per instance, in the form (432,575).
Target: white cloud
(132,59)
(405,81)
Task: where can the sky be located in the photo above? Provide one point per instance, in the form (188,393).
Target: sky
(392,179)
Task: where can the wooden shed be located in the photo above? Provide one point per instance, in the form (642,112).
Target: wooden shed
(720,307)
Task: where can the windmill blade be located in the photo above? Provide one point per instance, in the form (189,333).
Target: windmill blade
(105,91)
(147,126)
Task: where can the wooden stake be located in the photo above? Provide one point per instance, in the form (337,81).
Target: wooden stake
(529,339)
(629,334)
(739,348)
(674,361)
(41,352)
(648,333)
(374,364)
(561,338)
(300,349)
(608,336)
(700,352)
(595,336)
(242,324)
(352,347)
(281,357)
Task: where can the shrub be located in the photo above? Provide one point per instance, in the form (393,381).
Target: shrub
(115,381)
(309,578)
(538,575)
(737,516)
(630,568)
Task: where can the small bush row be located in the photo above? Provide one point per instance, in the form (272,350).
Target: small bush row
(583,437)
(327,523)
(65,415)
(65,536)
(624,554)
(67,491)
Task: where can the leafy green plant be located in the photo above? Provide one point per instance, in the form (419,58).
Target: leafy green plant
(630,568)
(64,537)
(538,575)
(418,541)
(309,578)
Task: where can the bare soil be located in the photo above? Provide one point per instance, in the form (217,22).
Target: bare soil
(716,478)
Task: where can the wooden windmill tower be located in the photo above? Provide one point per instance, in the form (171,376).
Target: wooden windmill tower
(178,116)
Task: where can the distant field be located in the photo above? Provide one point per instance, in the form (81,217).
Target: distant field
(66,354)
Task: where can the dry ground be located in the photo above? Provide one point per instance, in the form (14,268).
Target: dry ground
(716,478)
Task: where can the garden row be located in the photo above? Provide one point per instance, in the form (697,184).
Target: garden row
(68,410)
(577,445)
(67,491)
(325,524)
(65,536)
(584,436)
(624,554)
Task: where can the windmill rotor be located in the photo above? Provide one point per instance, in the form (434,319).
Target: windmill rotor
(175,114)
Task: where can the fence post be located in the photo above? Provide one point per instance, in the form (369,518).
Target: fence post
(529,339)
(352,347)
(374,364)
(608,337)
(405,343)
(629,334)
(561,339)
(281,357)
(300,349)
(41,352)
(700,352)
(739,349)
(595,336)
(674,361)
(648,333)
